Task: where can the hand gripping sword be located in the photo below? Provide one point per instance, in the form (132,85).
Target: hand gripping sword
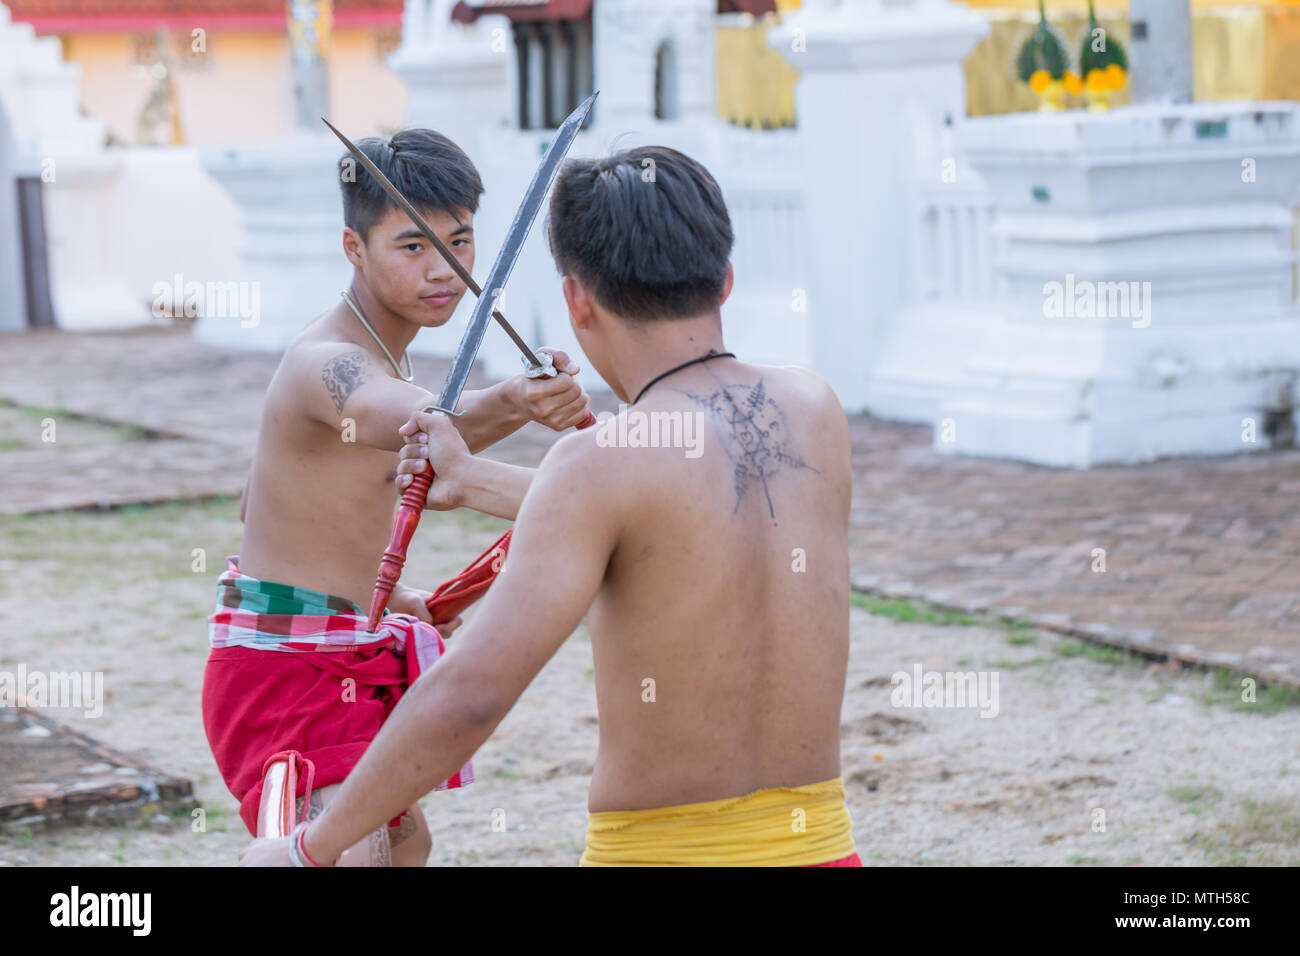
(413,499)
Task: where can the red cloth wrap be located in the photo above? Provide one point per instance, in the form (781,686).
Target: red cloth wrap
(452,597)
(245,720)
(851,860)
(256,702)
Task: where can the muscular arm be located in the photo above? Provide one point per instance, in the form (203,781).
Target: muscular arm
(352,389)
(567,530)
(493,487)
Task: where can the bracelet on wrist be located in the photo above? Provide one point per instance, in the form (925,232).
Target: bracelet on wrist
(298,847)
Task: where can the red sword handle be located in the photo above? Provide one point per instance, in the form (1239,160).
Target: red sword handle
(404,525)
(394,559)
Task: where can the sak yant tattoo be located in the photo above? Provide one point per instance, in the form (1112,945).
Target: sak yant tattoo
(316,808)
(399,834)
(380,851)
(756,437)
(343,375)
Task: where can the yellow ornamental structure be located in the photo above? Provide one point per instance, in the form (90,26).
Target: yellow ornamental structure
(1242,49)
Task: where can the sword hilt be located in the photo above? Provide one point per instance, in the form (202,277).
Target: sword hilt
(546,369)
(414,499)
(394,559)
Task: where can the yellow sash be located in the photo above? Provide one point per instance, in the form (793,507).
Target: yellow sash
(783,826)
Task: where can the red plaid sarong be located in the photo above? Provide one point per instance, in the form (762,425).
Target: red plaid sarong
(257,703)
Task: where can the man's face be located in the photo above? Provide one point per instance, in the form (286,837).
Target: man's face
(404,270)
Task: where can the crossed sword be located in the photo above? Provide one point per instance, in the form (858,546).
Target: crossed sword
(413,499)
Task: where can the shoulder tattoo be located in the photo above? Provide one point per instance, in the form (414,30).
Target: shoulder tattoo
(755,436)
(343,375)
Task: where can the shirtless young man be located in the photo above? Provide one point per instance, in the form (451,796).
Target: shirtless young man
(318,506)
(688,564)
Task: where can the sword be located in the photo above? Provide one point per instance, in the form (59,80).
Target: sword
(413,499)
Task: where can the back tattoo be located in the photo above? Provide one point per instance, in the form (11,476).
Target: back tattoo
(756,437)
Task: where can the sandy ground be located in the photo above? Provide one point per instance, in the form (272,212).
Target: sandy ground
(1183,772)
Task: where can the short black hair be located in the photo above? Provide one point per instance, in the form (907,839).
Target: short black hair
(426,167)
(645,230)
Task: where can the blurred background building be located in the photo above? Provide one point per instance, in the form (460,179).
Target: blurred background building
(1243,49)
(900,205)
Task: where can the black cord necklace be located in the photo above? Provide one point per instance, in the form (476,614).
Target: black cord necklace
(711,354)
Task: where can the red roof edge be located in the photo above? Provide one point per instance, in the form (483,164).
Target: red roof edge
(551,10)
(235,22)
(756,7)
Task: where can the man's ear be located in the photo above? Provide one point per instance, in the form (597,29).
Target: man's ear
(726,286)
(579,302)
(353,245)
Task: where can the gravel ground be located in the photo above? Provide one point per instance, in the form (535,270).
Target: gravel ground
(1092,758)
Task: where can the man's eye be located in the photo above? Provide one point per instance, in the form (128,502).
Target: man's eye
(414,246)
(460,242)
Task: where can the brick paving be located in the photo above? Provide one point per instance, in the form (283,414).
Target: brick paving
(1202,555)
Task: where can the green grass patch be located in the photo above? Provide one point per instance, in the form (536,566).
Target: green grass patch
(901,609)
(40,411)
(1005,665)
(132,432)
(1224,687)
(1263,833)
(1195,797)
(1098,653)
(919,611)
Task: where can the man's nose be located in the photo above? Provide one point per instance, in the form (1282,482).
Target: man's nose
(439,269)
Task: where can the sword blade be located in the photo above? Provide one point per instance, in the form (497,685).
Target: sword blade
(396,196)
(509,253)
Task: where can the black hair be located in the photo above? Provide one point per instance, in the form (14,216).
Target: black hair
(427,168)
(645,230)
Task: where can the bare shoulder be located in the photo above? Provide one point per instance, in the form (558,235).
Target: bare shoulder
(819,403)
(579,490)
(579,456)
(584,464)
(811,384)
(336,367)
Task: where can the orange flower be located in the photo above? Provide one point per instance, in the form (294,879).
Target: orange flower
(1097,81)
(1115,76)
(1039,81)
(1073,84)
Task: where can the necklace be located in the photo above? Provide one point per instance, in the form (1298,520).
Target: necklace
(409,375)
(711,354)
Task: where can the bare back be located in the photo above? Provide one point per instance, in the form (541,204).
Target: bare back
(728,589)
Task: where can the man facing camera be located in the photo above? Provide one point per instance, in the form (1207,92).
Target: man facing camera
(714,578)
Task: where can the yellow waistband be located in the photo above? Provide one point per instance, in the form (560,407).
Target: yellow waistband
(783,826)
